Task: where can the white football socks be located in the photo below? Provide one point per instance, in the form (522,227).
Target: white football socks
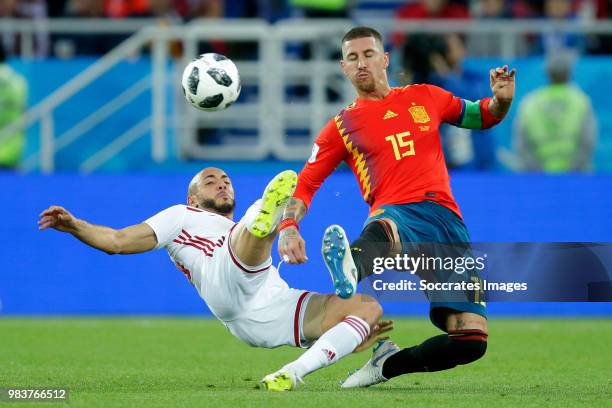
(337,342)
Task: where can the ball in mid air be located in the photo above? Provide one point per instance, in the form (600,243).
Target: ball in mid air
(211,82)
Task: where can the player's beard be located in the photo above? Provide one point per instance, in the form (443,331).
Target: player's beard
(367,86)
(226,208)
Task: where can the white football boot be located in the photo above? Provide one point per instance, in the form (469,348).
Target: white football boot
(371,372)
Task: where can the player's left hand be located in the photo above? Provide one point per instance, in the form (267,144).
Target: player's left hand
(379,328)
(58,218)
(502,83)
(291,246)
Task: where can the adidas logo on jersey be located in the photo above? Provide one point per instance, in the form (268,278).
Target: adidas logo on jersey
(390,114)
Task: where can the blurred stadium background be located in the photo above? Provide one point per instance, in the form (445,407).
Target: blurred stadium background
(94,119)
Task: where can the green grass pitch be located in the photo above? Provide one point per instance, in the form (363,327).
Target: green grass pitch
(196,362)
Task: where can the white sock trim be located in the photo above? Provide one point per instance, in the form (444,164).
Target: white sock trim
(360,326)
(336,343)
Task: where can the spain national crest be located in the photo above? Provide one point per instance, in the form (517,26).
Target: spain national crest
(419,114)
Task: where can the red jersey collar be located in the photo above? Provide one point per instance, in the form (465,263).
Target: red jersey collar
(369,102)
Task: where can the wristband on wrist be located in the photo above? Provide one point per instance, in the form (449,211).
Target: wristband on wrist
(288,222)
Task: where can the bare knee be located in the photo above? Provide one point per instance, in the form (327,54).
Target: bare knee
(336,309)
(367,308)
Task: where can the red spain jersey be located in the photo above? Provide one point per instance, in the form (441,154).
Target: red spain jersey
(392,145)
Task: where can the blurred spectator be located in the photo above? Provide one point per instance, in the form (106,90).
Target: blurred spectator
(165,10)
(70,45)
(13,95)
(25,9)
(602,43)
(213,9)
(555,129)
(415,50)
(603,8)
(490,9)
(416,56)
(463,148)
(8,8)
(323,47)
(428,9)
(206,9)
(250,8)
(124,8)
(167,13)
(56,8)
(323,8)
(555,40)
(490,43)
(85,9)
(526,8)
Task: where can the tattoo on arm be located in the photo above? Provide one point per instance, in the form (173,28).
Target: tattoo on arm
(289,232)
(295,209)
(498,108)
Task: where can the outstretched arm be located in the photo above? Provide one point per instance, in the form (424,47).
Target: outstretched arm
(328,151)
(130,240)
(481,114)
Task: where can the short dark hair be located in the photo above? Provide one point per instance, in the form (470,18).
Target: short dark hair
(362,32)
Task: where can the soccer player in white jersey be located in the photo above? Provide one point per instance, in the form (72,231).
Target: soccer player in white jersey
(230,266)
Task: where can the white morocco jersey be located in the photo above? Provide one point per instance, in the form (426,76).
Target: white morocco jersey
(250,301)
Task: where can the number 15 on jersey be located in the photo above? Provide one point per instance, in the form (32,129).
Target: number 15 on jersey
(400,144)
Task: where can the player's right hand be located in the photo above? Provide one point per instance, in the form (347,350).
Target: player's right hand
(58,218)
(291,246)
(379,328)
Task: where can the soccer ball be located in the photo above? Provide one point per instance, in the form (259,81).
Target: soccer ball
(211,82)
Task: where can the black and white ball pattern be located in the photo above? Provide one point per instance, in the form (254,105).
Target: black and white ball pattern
(211,82)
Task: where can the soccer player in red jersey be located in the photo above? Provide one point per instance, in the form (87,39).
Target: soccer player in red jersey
(389,137)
